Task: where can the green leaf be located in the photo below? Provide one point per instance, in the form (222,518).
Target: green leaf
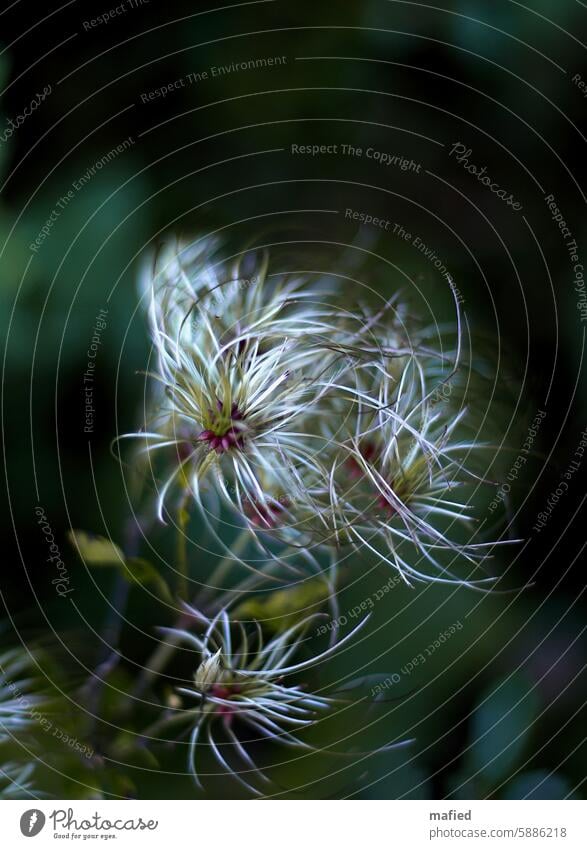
(96,550)
(142,572)
(99,551)
(282,608)
(134,754)
(501,727)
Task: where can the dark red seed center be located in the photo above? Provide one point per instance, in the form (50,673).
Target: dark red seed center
(223,439)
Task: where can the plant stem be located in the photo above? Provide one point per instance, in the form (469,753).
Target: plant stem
(112,627)
(181,548)
(223,566)
(165,651)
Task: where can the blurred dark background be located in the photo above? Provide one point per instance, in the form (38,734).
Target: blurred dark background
(409,79)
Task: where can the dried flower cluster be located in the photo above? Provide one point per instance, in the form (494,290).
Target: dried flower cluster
(316,425)
(320,426)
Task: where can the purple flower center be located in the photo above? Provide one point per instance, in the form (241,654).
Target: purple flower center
(222,435)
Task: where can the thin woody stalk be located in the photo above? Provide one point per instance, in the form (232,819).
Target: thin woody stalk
(165,650)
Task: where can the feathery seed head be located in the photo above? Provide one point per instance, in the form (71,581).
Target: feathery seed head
(242,685)
(279,389)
